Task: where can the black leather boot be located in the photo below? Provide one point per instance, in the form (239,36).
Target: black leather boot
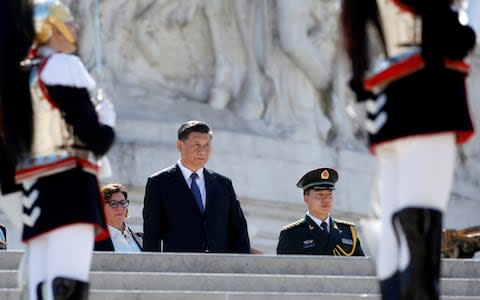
(69,289)
(390,287)
(39,291)
(422,228)
(434,242)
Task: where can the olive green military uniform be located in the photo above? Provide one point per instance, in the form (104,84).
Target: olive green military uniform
(306,237)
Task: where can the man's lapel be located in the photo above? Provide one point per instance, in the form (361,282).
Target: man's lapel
(320,237)
(335,235)
(183,189)
(180,180)
(138,238)
(209,190)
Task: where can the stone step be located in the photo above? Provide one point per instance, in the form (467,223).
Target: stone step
(11,294)
(246,264)
(235,276)
(221,282)
(227,282)
(95,294)
(218,263)
(225,263)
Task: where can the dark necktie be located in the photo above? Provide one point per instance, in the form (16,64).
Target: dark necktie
(196,192)
(324,227)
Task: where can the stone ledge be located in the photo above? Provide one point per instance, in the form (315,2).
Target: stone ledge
(13,294)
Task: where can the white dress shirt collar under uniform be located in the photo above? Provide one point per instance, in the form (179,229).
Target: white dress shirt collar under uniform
(319,222)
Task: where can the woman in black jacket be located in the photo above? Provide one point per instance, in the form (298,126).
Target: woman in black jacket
(122,237)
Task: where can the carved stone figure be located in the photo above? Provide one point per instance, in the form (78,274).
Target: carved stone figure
(268,62)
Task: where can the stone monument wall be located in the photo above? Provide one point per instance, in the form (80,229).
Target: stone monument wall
(269,77)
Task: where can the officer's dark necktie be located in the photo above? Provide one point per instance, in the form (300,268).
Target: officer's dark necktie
(324,227)
(196,192)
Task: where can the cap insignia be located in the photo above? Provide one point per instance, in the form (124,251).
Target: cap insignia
(325,175)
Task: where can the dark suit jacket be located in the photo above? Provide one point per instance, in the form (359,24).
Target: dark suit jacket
(306,237)
(172,221)
(107,244)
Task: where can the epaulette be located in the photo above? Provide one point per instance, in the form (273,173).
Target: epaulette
(293,225)
(344,222)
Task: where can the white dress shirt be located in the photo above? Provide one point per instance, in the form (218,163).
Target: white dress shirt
(319,222)
(123,241)
(200,180)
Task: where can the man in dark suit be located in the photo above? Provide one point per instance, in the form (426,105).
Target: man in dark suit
(318,233)
(188,208)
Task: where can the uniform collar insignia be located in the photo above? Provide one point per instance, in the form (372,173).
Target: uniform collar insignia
(311,227)
(336,227)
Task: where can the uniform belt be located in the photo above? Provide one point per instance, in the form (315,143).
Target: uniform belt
(45,165)
(403,65)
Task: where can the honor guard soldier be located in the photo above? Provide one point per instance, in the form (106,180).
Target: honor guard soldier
(417,112)
(51,139)
(318,233)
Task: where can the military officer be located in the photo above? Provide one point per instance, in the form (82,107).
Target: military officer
(318,233)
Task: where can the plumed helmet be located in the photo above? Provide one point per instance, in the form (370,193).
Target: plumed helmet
(48,14)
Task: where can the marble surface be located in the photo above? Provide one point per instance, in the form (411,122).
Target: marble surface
(268,76)
(183,275)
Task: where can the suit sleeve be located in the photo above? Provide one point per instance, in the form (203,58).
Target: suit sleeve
(138,237)
(152,217)
(283,245)
(105,245)
(79,112)
(359,250)
(238,231)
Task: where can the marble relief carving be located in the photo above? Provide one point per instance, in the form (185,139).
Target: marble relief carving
(268,65)
(271,67)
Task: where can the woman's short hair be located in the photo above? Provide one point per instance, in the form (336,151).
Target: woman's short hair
(113,188)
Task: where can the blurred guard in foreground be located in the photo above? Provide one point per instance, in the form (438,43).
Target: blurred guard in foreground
(53,138)
(417,113)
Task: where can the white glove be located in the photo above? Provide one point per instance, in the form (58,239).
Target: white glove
(106,113)
(105,169)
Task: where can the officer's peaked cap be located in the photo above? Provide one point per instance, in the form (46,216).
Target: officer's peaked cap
(319,179)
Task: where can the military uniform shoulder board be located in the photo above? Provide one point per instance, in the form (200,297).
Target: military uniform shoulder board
(293,225)
(344,222)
